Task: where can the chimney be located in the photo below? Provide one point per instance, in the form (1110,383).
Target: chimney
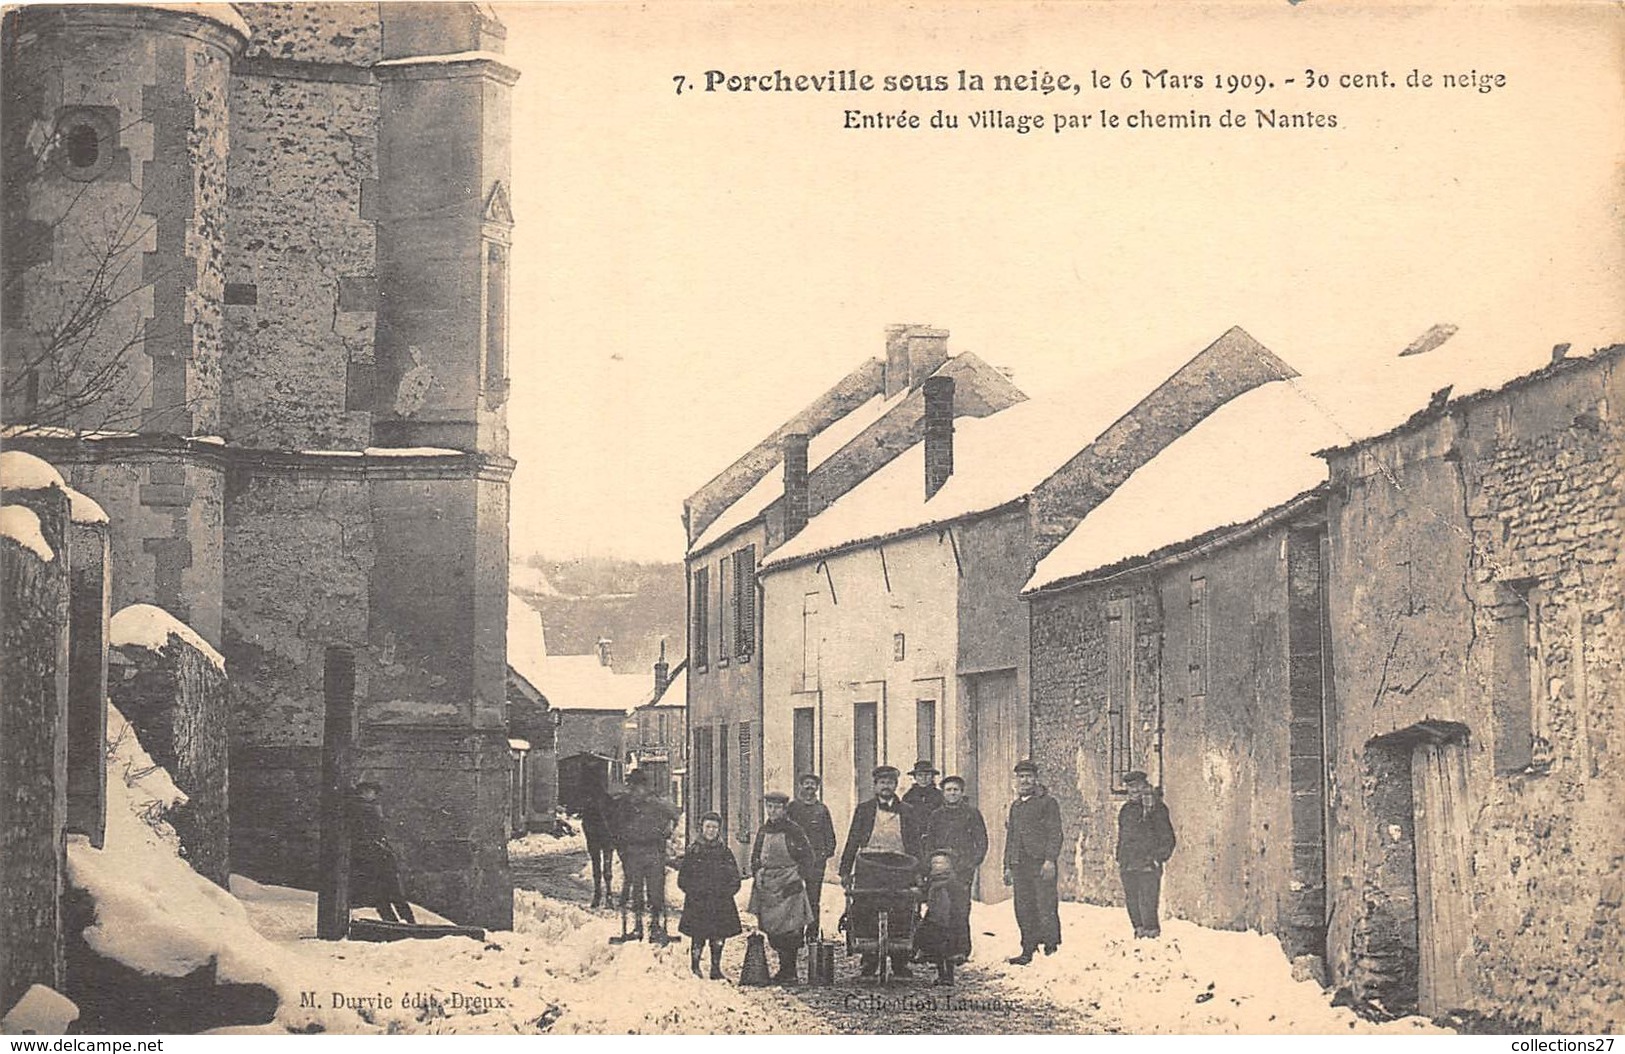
(795,484)
(939,433)
(897,366)
(927,350)
(604,657)
(662,670)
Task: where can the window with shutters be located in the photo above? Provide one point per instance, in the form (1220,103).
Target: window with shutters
(1198,636)
(702,771)
(745,603)
(747,800)
(727,610)
(1119,689)
(700,632)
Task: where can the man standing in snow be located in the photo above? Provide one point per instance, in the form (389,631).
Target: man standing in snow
(778,894)
(1145,841)
(812,816)
(375,871)
(885,824)
(643,826)
(1032,844)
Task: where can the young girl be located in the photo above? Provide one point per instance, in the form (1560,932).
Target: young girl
(947,912)
(709,878)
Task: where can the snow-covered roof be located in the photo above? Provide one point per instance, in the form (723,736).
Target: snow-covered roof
(151,627)
(581,682)
(997,459)
(1250,455)
(21,524)
(820,448)
(23,471)
(527,641)
(1259,451)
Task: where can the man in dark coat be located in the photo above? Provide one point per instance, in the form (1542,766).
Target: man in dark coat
(884,823)
(958,828)
(643,825)
(1032,845)
(812,816)
(375,870)
(924,795)
(1145,841)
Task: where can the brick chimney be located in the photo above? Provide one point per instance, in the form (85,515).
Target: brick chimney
(604,657)
(795,484)
(897,359)
(927,350)
(662,670)
(939,433)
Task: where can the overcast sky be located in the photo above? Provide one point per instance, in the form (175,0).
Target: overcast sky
(691,270)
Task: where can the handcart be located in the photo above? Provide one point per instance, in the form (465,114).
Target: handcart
(882,907)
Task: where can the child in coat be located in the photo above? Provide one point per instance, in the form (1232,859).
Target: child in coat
(947,913)
(709,878)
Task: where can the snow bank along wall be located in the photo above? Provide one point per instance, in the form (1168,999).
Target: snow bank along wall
(322,189)
(1478,624)
(53,590)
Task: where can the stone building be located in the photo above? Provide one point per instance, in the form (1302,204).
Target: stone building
(1477,618)
(1178,630)
(767,495)
(894,622)
(292,222)
(659,746)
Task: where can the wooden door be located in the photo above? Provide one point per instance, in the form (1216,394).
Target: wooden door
(1444,933)
(992,699)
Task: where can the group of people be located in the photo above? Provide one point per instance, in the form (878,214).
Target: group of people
(931,835)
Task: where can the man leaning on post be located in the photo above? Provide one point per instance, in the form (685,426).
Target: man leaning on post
(1032,844)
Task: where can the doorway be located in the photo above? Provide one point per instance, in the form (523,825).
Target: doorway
(991,730)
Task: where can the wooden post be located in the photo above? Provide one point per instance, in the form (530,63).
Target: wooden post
(338,751)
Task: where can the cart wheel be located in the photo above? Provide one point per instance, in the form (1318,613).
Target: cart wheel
(883,950)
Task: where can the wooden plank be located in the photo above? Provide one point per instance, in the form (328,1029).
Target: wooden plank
(1444,935)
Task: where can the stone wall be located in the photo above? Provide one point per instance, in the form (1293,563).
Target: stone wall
(1475,585)
(1218,740)
(174,697)
(33,746)
(302,235)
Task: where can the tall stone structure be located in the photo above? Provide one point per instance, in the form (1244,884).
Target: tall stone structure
(291,397)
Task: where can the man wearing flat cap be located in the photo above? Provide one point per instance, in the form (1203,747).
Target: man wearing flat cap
(1032,845)
(1145,841)
(778,896)
(924,795)
(884,823)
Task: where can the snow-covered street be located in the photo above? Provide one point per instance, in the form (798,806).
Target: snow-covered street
(556,971)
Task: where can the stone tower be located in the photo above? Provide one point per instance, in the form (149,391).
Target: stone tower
(304,440)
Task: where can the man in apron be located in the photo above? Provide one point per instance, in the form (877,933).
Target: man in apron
(883,824)
(778,894)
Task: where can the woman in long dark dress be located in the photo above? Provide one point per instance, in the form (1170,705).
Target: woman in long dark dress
(709,878)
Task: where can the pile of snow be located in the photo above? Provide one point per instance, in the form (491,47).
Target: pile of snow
(538,844)
(21,524)
(83,509)
(1192,980)
(153,912)
(41,1011)
(151,627)
(21,471)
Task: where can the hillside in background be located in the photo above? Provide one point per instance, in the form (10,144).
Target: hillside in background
(584,598)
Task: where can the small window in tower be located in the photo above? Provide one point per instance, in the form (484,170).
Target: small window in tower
(86,141)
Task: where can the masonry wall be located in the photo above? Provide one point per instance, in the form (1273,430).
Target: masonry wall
(175,699)
(301,238)
(1506,509)
(33,750)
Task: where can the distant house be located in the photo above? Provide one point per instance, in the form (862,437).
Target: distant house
(531,720)
(894,621)
(659,744)
(767,495)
